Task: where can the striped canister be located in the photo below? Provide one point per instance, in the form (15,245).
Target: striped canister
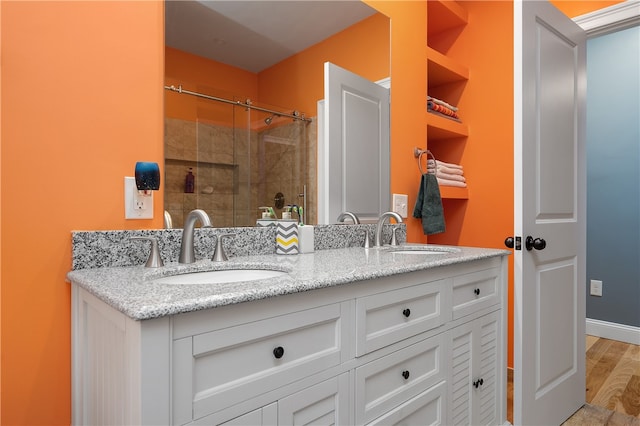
(287,238)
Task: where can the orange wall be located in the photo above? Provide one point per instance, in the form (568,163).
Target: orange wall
(81,103)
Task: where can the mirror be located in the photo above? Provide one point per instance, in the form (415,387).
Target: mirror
(272,53)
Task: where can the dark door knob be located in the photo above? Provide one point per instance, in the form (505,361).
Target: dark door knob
(508,242)
(537,243)
(406,312)
(278,352)
(476,291)
(405,374)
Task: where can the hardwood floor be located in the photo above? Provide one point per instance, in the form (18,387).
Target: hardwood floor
(613,385)
(613,375)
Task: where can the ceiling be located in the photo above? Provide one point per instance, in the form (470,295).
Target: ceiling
(254,35)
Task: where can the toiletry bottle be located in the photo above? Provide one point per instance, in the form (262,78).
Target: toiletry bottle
(306,243)
(189,182)
(268,217)
(286,214)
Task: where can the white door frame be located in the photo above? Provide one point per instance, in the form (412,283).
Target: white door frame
(614,18)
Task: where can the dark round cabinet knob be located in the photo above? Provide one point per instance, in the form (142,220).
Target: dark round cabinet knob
(405,374)
(478,383)
(535,243)
(278,352)
(406,312)
(476,291)
(508,242)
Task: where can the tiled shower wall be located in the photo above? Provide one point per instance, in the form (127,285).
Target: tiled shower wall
(238,170)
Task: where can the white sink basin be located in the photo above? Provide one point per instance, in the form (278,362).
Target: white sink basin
(219,277)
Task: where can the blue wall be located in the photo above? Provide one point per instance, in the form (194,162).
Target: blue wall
(613,175)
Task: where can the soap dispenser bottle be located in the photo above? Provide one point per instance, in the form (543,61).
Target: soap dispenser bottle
(268,217)
(189,182)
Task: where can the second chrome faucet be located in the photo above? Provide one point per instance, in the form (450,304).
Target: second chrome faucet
(383,218)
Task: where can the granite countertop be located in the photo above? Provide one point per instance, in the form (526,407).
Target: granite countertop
(132,289)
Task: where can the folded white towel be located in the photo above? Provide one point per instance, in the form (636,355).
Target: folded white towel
(450,170)
(441,173)
(447,182)
(443,164)
(447,176)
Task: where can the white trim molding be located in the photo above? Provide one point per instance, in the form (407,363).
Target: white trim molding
(614,331)
(614,18)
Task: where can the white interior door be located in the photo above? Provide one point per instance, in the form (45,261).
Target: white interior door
(550,207)
(353,159)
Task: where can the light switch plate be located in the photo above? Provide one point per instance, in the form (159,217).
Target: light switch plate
(400,202)
(136,204)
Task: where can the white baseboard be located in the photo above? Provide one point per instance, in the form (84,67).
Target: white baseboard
(611,330)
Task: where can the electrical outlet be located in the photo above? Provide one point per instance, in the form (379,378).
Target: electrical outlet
(400,202)
(137,204)
(596,288)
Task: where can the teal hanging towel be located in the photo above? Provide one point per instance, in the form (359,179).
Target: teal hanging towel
(429,205)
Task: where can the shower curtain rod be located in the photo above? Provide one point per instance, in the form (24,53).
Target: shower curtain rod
(246,104)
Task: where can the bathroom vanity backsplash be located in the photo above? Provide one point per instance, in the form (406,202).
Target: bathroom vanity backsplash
(101,249)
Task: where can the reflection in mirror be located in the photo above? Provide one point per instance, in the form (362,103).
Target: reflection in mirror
(244,158)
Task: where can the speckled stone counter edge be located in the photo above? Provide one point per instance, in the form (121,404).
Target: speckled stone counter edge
(101,249)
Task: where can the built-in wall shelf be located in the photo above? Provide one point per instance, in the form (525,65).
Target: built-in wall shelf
(446,80)
(443,70)
(454,192)
(439,127)
(443,16)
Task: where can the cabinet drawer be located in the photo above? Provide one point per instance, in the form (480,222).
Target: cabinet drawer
(475,291)
(428,408)
(391,380)
(386,318)
(223,367)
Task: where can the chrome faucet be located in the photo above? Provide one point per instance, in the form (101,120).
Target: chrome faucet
(187,254)
(383,217)
(345,215)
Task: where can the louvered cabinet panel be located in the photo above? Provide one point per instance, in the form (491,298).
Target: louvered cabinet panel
(489,371)
(475,372)
(461,374)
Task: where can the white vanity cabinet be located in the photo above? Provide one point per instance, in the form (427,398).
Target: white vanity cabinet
(405,348)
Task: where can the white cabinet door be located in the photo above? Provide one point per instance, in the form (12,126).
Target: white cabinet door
(326,403)
(476,374)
